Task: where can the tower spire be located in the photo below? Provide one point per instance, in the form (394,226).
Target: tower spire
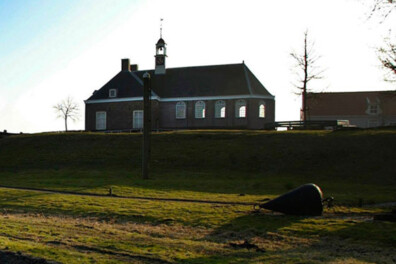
(160,53)
(161,27)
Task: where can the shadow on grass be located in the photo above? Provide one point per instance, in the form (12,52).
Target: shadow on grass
(252,225)
(323,251)
(365,241)
(16,201)
(108,217)
(19,197)
(231,257)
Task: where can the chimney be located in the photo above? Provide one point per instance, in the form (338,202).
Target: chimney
(134,67)
(125,65)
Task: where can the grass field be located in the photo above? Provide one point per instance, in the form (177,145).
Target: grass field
(232,166)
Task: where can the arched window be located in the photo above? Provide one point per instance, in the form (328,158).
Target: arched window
(240,109)
(262,109)
(220,108)
(200,109)
(180,110)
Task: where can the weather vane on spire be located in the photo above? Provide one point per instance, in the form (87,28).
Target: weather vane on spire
(161,27)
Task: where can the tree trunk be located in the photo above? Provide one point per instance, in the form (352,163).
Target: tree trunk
(304,92)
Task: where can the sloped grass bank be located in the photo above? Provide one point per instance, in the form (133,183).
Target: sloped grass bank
(349,165)
(319,154)
(241,166)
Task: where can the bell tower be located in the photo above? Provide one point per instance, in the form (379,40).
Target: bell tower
(160,54)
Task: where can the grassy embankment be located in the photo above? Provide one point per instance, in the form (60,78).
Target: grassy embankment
(203,165)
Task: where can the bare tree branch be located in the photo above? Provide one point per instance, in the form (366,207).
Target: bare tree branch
(387,57)
(382,8)
(67,109)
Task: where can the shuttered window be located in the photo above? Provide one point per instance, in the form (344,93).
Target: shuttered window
(180,110)
(138,119)
(100,120)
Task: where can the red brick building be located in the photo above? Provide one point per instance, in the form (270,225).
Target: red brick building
(218,96)
(362,109)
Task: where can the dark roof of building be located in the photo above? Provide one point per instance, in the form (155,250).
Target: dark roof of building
(349,103)
(217,80)
(126,83)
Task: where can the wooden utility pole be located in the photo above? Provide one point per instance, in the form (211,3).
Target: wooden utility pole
(146,124)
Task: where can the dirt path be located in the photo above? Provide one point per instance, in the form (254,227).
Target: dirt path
(389,204)
(127,197)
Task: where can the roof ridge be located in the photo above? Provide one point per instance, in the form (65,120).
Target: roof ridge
(137,78)
(381,91)
(253,78)
(247,79)
(199,66)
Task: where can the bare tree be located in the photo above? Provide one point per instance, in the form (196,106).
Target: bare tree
(382,8)
(306,70)
(387,53)
(67,109)
(387,57)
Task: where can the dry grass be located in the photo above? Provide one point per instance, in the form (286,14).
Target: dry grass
(70,238)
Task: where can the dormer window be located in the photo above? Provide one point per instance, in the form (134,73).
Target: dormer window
(112,93)
(373,109)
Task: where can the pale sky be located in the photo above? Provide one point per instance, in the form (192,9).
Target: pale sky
(50,50)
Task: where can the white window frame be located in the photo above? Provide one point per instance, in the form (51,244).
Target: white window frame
(136,124)
(181,108)
(113,93)
(240,109)
(220,109)
(200,109)
(101,120)
(261,109)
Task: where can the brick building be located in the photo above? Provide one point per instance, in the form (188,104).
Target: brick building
(218,96)
(362,109)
